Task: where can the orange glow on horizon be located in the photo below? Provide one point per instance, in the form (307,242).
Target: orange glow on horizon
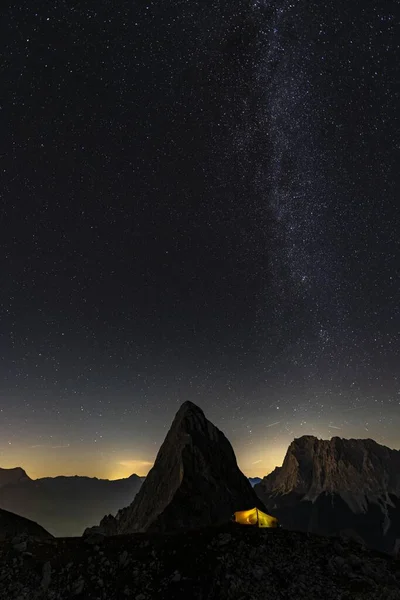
(53,466)
(41,460)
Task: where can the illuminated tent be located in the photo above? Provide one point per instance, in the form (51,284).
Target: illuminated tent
(255,517)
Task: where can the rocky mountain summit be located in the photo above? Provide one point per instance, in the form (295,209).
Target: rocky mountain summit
(65,506)
(216,563)
(12,525)
(337,485)
(195,481)
(12,476)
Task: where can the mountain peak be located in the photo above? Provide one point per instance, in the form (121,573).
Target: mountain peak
(195,481)
(359,467)
(12,476)
(190,420)
(335,485)
(309,439)
(189,413)
(188,407)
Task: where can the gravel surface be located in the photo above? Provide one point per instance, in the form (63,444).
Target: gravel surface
(232,562)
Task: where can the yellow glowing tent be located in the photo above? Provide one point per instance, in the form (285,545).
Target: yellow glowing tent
(255,517)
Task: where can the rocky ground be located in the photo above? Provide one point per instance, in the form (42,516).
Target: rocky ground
(232,562)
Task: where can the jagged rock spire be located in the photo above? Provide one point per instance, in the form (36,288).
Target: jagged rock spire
(195,481)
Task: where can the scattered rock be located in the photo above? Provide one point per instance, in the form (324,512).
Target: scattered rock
(224,539)
(46,575)
(258,573)
(94,538)
(354,560)
(337,562)
(20,547)
(78,585)
(338,548)
(249,565)
(18,539)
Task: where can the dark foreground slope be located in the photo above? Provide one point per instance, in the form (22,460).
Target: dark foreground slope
(231,562)
(12,525)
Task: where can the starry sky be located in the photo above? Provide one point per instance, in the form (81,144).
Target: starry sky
(199,201)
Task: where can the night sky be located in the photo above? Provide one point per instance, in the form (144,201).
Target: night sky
(199,201)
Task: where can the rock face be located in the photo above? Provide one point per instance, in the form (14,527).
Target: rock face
(64,505)
(13,525)
(254,480)
(195,481)
(337,486)
(12,476)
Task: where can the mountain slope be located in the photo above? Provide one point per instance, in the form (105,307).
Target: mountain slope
(12,525)
(195,481)
(337,485)
(66,505)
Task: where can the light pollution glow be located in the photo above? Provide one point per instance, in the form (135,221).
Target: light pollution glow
(257,454)
(52,461)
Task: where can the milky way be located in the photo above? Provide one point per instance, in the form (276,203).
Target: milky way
(328,81)
(199,202)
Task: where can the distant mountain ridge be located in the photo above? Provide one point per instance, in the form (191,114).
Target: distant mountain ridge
(64,505)
(12,476)
(338,485)
(195,481)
